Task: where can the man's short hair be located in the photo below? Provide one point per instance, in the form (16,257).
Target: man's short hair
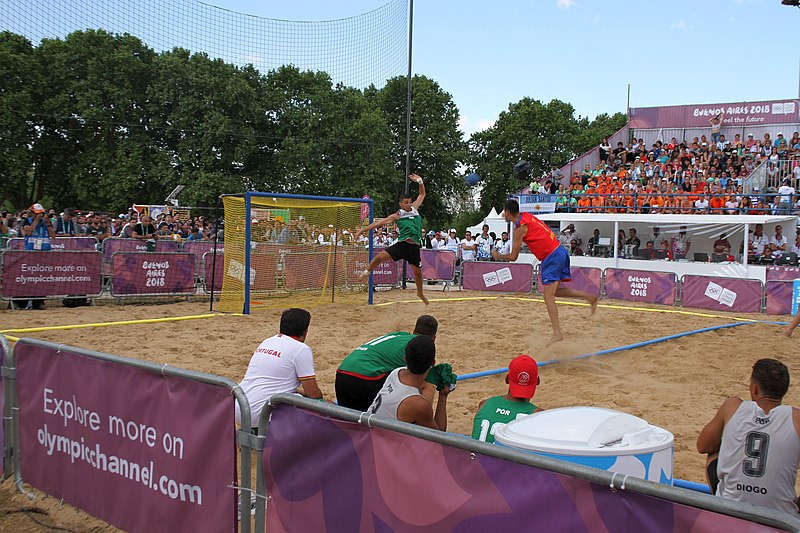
(420,354)
(426,325)
(403,196)
(294,322)
(772,377)
(511,206)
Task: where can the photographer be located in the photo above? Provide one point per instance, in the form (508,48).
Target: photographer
(37,229)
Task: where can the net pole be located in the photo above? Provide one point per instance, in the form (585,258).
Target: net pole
(408,92)
(246,305)
(408,111)
(214,257)
(335,243)
(371,251)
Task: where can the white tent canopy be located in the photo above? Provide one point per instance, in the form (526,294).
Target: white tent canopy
(494,220)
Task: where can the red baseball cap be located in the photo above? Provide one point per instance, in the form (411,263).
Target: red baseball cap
(523,377)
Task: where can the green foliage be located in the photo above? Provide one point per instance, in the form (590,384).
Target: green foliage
(101,121)
(437,146)
(542,134)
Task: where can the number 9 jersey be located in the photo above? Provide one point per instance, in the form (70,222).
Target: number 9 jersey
(758,457)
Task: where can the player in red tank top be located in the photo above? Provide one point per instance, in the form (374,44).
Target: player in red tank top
(542,243)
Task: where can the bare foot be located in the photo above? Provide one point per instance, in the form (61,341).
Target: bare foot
(554,339)
(422,296)
(787,333)
(593,303)
(363,274)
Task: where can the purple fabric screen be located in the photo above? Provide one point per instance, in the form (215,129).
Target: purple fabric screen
(437,265)
(114,245)
(493,276)
(29,274)
(144,452)
(782,273)
(584,279)
(696,116)
(328,475)
(210,272)
(2,413)
(722,294)
(137,273)
(779,297)
(60,244)
(641,286)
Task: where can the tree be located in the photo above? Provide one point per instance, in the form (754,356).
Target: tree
(542,134)
(438,150)
(91,147)
(18,74)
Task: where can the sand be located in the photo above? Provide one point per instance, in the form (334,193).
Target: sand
(677,385)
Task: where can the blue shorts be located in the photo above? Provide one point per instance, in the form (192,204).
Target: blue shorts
(555,267)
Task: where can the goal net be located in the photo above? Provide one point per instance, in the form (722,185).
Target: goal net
(280,246)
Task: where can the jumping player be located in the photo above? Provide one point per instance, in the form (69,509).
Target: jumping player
(409,242)
(543,243)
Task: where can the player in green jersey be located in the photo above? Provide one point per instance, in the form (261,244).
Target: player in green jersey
(409,242)
(362,373)
(494,412)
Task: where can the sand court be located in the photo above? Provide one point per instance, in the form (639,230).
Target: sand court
(677,384)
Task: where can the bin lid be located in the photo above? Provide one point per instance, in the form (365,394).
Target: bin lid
(583,431)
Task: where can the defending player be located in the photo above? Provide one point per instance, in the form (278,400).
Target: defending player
(495,412)
(543,243)
(753,446)
(409,242)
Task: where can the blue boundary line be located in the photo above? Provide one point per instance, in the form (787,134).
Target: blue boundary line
(681,483)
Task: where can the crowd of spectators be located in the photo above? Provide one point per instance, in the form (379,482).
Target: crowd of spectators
(102,225)
(697,176)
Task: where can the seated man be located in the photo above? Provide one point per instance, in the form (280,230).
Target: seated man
(497,411)
(406,396)
(282,363)
(753,446)
(362,373)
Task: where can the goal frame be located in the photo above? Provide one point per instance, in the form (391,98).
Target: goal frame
(248,197)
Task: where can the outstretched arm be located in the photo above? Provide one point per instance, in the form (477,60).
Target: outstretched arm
(519,233)
(378,223)
(418,179)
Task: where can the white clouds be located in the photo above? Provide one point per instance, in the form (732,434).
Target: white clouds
(680,25)
(565,4)
(468,127)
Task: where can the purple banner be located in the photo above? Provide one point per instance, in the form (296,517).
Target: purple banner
(722,294)
(3,414)
(779,297)
(641,286)
(328,475)
(217,273)
(697,116)
(114,245)
(140,273)
(28,274)
(782,273)
(495,276)
(143,451)
(199,249)
(60,244)
(584,279)
(437,265)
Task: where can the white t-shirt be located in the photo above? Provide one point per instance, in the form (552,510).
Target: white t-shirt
(778,241)
(468,254)
(786,193)
(759,242)
(503,248)
(277,365)
(484,246)
(451,243)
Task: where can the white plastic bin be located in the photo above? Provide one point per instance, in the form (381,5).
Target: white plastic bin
(593,436)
